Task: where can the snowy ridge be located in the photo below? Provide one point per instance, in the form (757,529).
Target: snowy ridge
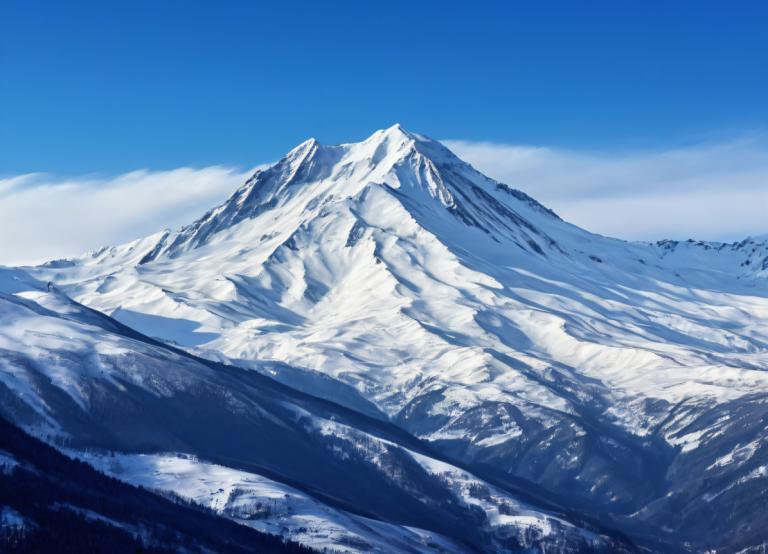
(266,505)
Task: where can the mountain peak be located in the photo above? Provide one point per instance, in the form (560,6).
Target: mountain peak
(424,176)
(395,135)
(301,153)
(396,131)
(308,144)
(395,143)
(399,134)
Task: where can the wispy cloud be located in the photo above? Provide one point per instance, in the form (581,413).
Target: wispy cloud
(44,217)
(713,191)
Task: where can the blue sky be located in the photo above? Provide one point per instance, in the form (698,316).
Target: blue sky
(643,120)
(115,86)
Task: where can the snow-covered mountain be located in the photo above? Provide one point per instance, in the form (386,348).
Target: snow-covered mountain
(623,381)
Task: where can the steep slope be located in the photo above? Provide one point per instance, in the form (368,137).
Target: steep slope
(266,505)
(52,503)
(474,318)
(82,380)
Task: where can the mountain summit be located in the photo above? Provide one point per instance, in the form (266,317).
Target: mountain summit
(392,278)
(417,171)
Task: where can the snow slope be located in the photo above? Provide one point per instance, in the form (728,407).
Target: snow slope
(79,379)
(266,505)
(275,508)
(391,277)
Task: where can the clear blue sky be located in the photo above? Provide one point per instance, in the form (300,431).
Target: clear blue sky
(114,86)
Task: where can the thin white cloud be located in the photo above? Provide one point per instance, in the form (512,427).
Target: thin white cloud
(44,217)
(713,192)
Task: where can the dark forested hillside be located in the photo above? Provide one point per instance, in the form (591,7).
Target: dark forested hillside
(51,503)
